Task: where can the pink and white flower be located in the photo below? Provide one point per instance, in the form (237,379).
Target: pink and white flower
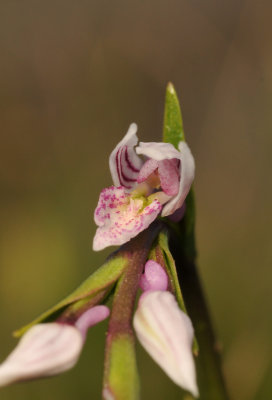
(143,188)
(49,348)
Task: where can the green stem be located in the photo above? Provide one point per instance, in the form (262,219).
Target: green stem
(121,380)
(209,372)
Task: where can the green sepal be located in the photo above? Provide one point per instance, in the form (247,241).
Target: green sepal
(123,364)
(171,267)
(101,279)
(172,125)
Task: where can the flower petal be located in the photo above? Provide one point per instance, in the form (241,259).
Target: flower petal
(154,277)
(124,162)
(169,176)
(110,201)
(166,333)
(120,217)
(186,179)
(147,169)
(157,151)
(45,350)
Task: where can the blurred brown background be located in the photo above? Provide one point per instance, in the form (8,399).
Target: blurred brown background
(73,75)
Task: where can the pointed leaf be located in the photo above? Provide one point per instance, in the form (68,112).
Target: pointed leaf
(102,278)
(172,126)
(173,133)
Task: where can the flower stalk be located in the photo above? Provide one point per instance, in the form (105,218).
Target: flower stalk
(120,370)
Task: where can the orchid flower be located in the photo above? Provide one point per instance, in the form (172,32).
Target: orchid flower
(142,188)
(49,348)
(149,180)
(164,330)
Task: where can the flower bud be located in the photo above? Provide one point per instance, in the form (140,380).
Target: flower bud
(167,333)
(49,349)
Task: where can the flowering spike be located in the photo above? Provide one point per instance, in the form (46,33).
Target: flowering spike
(166,333)
(154,277)
(124,162)
(121,217)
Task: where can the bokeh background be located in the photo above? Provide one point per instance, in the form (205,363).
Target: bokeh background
(73,75)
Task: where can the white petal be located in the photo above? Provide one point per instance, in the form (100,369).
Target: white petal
(166,333)
(124,162)
(187,175)
(158,151)
(45,350)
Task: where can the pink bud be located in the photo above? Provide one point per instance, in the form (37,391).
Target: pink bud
(154,277)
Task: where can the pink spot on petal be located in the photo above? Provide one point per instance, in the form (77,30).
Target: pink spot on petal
(124,223)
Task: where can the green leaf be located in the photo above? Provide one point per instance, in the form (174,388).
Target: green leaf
(102,278)
(171,266)
(172,126)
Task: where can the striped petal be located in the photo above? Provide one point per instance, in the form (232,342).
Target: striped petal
(124,162)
